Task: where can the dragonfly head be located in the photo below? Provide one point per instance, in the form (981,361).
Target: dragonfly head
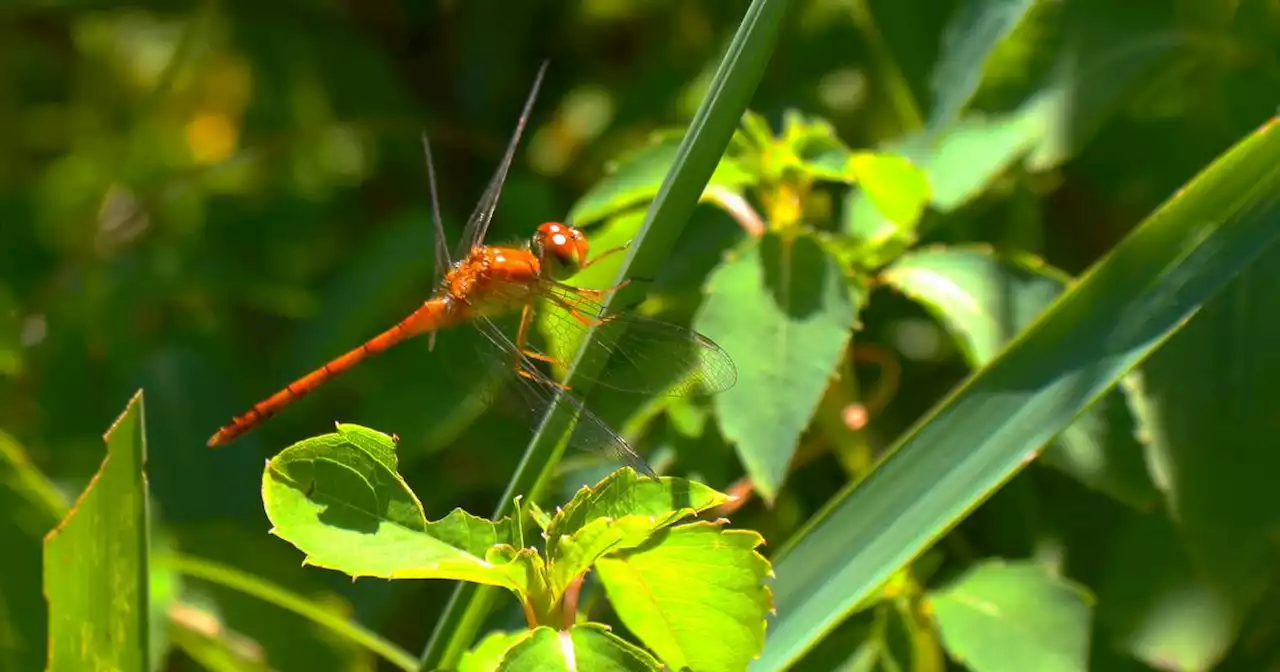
(561,248)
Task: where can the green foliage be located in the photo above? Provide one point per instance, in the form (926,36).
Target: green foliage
(339,499)
(1014,617)
(985,418)
(96,562)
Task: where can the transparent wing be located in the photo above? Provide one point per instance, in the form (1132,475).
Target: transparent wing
(442,247)
(478,225)
(443,262)
(539,395)
(648,356)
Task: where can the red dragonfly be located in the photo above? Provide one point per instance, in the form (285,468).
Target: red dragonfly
(648,356)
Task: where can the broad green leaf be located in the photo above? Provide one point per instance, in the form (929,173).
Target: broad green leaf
(700,151)
(696,595)
(1014,616)
(959,164)
(984,300)
(898,188)
(1157,607)
(96,564)
(782,310)
(583,647)
(618,514)
(1207,403)
(339,500)
(976,30)
(637,177)
(982,434)
(30,506)
(623,493)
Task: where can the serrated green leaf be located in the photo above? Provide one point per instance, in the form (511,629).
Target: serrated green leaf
(984,300)
(637,178)
(696,595)
(959,164)
(339,500)
(981,435)
(1014,616)
(783,312)
(618,514)
(583,647)
(623,493)
(96,561)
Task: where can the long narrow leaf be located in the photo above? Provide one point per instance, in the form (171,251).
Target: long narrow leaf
(984,432)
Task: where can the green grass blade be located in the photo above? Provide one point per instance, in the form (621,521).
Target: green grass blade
(1122,310)
(248,584)
(95,561)
(713,125)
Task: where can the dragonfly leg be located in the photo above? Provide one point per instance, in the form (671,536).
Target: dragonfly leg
(542,380)
(604,255)
(534,354)
(588,293)
(577,314)
(522,335)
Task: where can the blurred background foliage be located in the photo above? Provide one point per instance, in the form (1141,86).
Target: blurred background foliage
(208,199)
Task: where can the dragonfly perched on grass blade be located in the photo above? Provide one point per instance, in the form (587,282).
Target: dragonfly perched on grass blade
(648,356)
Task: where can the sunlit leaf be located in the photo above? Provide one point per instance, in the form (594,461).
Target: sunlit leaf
(782,310)
(696,596)
(1014,617)
(339,500)
(898,188)
(618,514)
(95,562)
(623,493)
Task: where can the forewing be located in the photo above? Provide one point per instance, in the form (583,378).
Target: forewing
(534,394)
(478,224)
(648,356)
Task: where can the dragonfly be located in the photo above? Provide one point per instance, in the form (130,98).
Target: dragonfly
(648,356)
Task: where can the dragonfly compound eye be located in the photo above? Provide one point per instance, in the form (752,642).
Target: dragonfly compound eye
(562,244)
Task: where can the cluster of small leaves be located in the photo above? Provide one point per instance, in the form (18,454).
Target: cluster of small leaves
(784,301)
(679,585)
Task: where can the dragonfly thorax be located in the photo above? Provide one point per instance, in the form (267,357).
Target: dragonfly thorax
(493,274)
(561,248)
